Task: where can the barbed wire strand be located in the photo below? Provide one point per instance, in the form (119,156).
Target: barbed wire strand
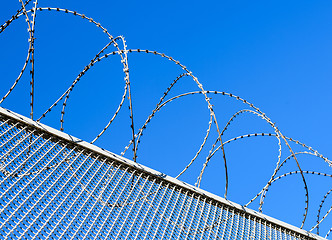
(113,117)
(267,119)
(116,112)
(261,115)
(31,30)
(157,108)
(86,68)
(15,16)
(78,78)
(91,21)
(25,13)
(329,162)
(124,61)
(263,192)
(229,122)
(199,150)
(314,153)
(207,99)
(126,70)
(140,132)
(313,173)
(32,59)
(326,214)
(223,93)
(328,233)
(225,128)
(319,210)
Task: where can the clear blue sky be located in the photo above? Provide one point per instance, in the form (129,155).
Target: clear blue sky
(275,54)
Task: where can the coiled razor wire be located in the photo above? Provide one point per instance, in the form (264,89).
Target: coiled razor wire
(77,184)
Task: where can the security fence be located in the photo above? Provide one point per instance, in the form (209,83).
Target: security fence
(53,185)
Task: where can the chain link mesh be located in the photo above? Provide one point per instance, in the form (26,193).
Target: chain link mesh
(51,187)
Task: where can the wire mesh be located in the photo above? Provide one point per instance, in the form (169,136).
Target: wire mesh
(54,187)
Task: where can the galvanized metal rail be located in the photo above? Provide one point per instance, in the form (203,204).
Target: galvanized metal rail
(54,185)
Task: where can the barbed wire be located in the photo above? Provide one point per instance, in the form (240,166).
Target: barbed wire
(238,98)
(15,16)
(25,13)
(207,99)
(313,173)
(319,210)
(328,233)
(210,155)
(136,136)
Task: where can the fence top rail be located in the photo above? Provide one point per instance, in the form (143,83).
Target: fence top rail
(5,113)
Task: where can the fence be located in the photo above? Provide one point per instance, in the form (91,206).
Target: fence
(53,185)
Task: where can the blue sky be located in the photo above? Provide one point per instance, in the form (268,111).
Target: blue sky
(275,54)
